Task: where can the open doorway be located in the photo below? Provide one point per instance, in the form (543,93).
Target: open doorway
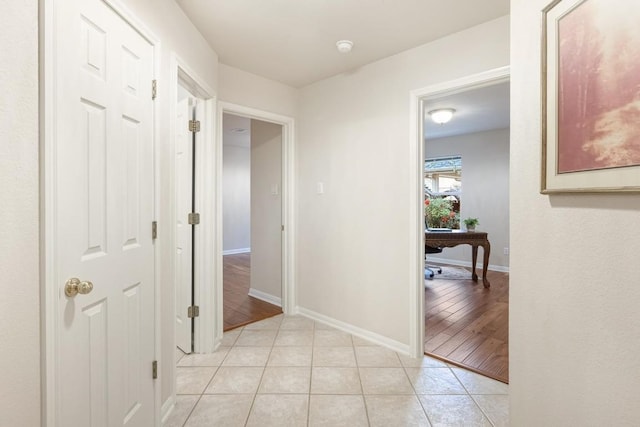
(189,121)
(252,220)
(189,226)
(462,321)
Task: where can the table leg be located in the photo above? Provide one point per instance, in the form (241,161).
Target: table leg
(474,258)
(485,264)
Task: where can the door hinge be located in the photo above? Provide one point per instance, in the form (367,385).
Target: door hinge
(193,311)
(194,218)
(154,230)
(154,88)
(194,125)
(282,228)
(154,369)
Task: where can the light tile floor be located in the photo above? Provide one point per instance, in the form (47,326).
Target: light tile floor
(292,371)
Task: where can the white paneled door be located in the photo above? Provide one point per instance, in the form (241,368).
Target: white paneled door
(184,231)
(103,198)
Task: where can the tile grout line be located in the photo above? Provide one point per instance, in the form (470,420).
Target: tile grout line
(313,328)
(203,390)
(313,346)
(364,400)
(471,397)
(191,411)
(255,395)
(482,410)
(264,369)
(415,392)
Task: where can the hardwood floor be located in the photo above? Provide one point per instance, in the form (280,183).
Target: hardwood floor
(465,324)
(239,308)
(468,325)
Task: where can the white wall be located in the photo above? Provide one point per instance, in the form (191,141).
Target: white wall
(485,189)
(249,90)
(236,198)
(354,137)
(177,34)
(266,208)
(19,220)
(574,285)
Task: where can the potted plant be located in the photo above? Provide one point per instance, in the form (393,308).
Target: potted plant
(439,213)
(471,223)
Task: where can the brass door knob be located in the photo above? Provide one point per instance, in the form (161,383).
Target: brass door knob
(74,286)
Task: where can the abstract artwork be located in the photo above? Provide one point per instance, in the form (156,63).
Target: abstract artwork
(591,96)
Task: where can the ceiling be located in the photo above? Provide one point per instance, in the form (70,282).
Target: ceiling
(236,130)
(477,110)
(293,41)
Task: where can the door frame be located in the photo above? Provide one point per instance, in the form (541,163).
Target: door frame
(416,209)
(215,299)
(49,289)
(181,72)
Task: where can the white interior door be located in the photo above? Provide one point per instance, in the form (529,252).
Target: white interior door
(103,198)
(184,235)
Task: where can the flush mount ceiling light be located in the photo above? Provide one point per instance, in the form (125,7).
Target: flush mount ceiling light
(441,115)
(344,46)
(238,130)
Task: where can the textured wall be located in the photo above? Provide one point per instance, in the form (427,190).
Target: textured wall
(249,90)
(236,198)
(354,137)
(266,208)
(19,226)
(574,319)
(485,189)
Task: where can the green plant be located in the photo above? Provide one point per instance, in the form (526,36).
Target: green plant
(471,222)
(439,213)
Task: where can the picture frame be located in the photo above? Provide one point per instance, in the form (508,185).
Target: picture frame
(590,96)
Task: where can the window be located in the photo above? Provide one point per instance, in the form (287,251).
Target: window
(443,180)
(443,176)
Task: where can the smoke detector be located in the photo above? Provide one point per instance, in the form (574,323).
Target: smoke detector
(344,46)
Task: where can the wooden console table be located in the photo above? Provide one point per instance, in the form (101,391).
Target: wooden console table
(449,239)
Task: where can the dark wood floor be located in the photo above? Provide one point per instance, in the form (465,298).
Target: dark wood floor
(468,325)
(465,324)
(239,308)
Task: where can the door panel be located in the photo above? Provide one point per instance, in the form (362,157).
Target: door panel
(131,184)
(184,237)
(103,212)
(93,125)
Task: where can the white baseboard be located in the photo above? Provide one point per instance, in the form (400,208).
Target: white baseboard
(167,407)
(236,251)
(492,267)
(271,299)
(354,330)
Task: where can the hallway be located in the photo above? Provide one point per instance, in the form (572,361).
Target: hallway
(290,370)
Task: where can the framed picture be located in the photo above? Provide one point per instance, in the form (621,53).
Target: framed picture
(591,96)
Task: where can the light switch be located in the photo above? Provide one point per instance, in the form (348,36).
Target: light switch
(274,189)
(320,188)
